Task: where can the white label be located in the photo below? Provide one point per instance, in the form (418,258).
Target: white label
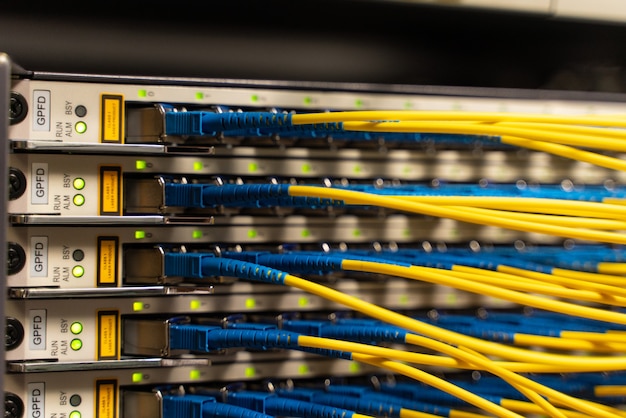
(41,110)
(39,184)
(39,256)
(36,400)
(38,321)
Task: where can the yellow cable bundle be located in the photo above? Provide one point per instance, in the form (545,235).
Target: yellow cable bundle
(555,134)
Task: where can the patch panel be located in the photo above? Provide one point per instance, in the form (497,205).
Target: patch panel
(150,217)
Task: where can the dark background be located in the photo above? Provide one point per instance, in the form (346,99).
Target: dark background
(321,40)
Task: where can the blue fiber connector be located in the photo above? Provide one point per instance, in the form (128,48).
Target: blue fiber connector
(205,339)
(273,404)
(197,406)
(360,405)
(243,270)
(188,265)
(199,123)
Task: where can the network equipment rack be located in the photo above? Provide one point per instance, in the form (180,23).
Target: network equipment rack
(187,248)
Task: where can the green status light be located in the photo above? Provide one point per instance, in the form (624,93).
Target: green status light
(76,328)
(199,95)
(196,234)
(137,306)
(195,374)
(141,164)
(79,199)
(81,127)
(137,377)
(78,271)
(139,234)
(76,344)
(195,304)
(78,183)
(142,93)
(75,414)
(198,166)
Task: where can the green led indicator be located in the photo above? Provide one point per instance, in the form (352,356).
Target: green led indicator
(406,170)
(354,367)
(358,103)
(252,167)
(78,199)
(408,105)
(306,168)
(199,95)
(303,369)
(142,93)
(195,304)
(140,234)
(307,100)
(141,164)
(356,233)
(252,233)
(305,233)
(81,127)
(250,303)
(137,377)
(137,306)
(78,271)
(75,414)
(76,328)
(194,374)
(406,232)
(198,166)
(78,183)
(76,344)
(250,372)
(455,232)
(404,299)
(357,169)
(452,299)
(303,301)
(196,234)
(254,98)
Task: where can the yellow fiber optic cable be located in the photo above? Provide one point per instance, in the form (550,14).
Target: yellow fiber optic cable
(544,278)
(567,221)
(533,396)
(559,398)
(358,349)
(528,407)
(534,287)
(567,129)
(433,275)
(438,383)
(561,150)
(566,151)
(612,268)
(357,197)
(467,356)
(609,363)
(546,206)
(617,121)
(566,288)
(610,390)
(550,136)
(563,343)
(613,281)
